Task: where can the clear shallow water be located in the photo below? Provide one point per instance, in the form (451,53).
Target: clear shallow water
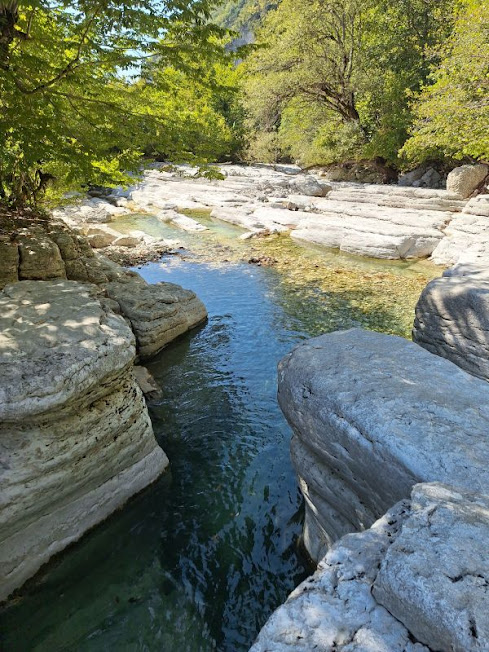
(199,561)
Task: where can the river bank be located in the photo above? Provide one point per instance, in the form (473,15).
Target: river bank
(217,421)
(232,509)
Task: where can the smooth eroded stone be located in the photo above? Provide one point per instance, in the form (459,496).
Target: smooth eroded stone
(464,180)
(334,610)
(369,230)
(466,241)
(76,441)
(435,576)
(157,313)
(452,320)
(373,415)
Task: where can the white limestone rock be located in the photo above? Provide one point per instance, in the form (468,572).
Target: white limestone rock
(435,576)
(373,415)
(452,319)
(75,436)
(334,610)
(466,241)
(309,186)
(94,210)
(376,231)
(464,180)
(182,221)
(158,313)
(478,206)
(56,251)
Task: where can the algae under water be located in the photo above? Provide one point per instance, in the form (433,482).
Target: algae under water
(199,560)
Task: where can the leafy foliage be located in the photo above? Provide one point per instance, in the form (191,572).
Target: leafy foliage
(350,67)
(452,114)
(73,106)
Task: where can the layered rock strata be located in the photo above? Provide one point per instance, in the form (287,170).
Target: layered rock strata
(382,221)
(49,249)
(452,318)
(373,415)
(76,440)
(415,581)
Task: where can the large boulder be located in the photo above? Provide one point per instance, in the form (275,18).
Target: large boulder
(452,320)
(373,415)
(435,576)
(415,581)
(76,440)
(40,256)
(309,186)
(158,313)
(334,610)
(464,180)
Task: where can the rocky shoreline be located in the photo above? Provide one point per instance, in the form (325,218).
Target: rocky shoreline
(377,420)
(76,437)
(390,440)
(380,221)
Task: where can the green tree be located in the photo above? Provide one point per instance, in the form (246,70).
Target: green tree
(452,113)
(349,67)
(69,106)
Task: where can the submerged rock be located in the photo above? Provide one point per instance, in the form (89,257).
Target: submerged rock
(373,415)
(75,436)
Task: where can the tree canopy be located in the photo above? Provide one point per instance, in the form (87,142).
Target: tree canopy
(452,114)
(73,103)
(90,89)
(348,67)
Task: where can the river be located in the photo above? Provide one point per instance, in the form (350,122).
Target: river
(199,560)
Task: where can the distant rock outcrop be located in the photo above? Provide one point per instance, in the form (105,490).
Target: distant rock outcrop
(464,180)
(76,440)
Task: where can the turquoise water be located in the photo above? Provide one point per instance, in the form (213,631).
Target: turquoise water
(200,560)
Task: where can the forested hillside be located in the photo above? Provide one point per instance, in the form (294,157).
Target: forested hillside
(404,80)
